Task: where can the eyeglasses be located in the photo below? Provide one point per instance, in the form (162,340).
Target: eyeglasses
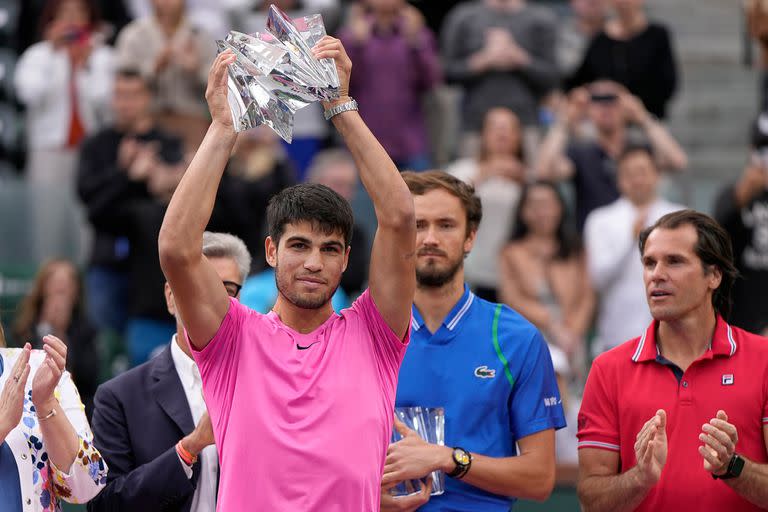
(604,97)
(233,289)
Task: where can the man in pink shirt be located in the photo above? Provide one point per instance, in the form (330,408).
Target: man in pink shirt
(300,399)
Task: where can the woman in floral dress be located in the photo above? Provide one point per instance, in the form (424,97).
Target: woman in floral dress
(46,450)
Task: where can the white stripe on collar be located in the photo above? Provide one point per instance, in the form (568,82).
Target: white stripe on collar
(455,320)
(639,347)
(731,340)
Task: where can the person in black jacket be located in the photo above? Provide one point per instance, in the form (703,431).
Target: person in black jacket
(635,53)
(114,169)
(127,176)
(149,419)
(742,209)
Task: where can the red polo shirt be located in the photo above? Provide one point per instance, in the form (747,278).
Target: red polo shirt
(627,385)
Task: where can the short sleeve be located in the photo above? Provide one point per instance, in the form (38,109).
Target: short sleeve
(388,348)
(535,404)
(598,419)
(218,363)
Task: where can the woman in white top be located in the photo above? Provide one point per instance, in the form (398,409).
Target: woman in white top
(65,83)
(497,173)
(46,450)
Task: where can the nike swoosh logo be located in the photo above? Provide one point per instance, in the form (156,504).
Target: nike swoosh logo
(305,348)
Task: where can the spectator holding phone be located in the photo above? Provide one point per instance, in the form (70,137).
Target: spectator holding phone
(65,81)
(742,209)
(617,118)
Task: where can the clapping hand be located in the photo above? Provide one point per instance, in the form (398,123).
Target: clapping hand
(719,438)
(651,448)
(49,373)
(12,396)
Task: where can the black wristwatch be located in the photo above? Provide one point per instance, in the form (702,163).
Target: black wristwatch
(463,460)
(735,466)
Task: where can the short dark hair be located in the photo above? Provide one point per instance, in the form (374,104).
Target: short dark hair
(420,183)
(135,74)
(713,247)
(313,203)
(631,149)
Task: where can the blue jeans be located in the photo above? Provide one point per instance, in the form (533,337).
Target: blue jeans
(144,335)
(107,292)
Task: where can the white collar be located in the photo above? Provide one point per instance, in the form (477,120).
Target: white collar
(185,365)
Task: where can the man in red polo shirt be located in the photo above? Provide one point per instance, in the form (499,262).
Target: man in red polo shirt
(677,419)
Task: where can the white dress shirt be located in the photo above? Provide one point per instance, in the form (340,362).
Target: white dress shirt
(616,271)
(204,499)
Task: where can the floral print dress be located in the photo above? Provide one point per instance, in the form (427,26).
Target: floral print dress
(42,485)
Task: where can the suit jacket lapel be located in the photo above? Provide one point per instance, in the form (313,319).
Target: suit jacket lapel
(167,390)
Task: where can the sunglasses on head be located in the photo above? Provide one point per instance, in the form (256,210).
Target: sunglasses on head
(603,97)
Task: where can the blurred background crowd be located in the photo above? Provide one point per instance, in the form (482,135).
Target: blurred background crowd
(579,123)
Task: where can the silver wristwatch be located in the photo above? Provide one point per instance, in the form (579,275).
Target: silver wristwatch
(338,109)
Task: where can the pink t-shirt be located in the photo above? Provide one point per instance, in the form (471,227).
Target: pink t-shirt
(301,429)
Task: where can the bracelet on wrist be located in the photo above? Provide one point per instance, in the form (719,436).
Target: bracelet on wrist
(337,109)
(185,455)
(47,410)
(47,416)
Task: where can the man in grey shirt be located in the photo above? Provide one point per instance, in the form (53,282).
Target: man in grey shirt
(503,54)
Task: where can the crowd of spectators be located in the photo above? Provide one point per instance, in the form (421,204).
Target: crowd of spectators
(561,131)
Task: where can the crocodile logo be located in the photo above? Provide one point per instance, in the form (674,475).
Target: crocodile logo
(484,372)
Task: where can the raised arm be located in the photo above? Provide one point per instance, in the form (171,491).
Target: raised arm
(392,276)
(552,162)
(200,296)
(669,154)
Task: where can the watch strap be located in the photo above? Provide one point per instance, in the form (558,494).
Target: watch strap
(338,109)
(735,466)
(463,460)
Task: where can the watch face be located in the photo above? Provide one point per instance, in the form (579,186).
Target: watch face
(461,457)
(736,466)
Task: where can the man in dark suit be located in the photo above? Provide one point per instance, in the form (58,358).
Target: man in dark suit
(144,420)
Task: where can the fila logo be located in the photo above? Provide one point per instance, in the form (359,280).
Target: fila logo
(727,379)
(484,372)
